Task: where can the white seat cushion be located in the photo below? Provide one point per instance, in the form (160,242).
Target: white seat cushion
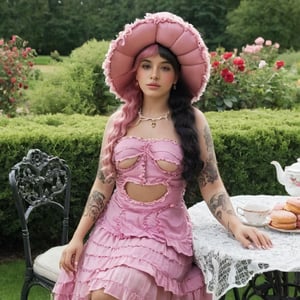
(47,263)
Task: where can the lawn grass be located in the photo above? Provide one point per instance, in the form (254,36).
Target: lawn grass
(43,60)
(11,280)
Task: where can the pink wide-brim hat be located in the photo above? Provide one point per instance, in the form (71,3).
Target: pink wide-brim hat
(169,31)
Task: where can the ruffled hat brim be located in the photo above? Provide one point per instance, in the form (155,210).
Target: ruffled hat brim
(169,31)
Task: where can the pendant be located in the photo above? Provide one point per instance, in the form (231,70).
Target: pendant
(153,124)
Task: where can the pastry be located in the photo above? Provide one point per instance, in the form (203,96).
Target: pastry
(298,221)
(283,219)
(293,204)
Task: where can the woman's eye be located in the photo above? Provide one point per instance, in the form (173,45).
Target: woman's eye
(166,68)
(145,66)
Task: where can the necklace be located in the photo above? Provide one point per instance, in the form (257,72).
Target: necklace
(153,120)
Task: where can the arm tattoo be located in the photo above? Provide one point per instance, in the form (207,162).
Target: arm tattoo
(100,174)
(94,205)
(208,140)
(209,172)
(218,206)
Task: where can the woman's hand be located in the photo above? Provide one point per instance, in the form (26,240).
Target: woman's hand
(71,255)
(251,237)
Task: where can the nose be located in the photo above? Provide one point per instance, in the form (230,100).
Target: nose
(154,74)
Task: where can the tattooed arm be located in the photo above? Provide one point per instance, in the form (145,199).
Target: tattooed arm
(210,182)
(99,196)
(97,200)
(215,194)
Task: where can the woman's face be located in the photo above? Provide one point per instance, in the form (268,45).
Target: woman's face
(155,76)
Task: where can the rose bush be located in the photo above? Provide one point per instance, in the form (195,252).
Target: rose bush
(250,79)
(16,62)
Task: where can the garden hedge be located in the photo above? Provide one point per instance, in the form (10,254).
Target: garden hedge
(245,142)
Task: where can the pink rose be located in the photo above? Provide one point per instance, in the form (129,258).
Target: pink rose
(252,48)
(13,80)
(276,45)
(259,41)
(268,43)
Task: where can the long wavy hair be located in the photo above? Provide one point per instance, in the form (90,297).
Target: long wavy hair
(181,110)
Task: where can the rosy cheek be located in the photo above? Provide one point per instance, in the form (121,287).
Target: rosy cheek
(170,78)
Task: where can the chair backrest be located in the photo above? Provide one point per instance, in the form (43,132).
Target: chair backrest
(38,180)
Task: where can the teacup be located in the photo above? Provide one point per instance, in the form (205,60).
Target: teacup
(254,214)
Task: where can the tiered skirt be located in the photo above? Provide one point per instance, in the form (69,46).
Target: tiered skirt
(131,268)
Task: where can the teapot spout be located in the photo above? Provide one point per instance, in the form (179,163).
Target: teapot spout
(279,172)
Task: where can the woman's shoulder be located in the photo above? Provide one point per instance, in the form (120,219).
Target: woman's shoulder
(200,118)
(113,118)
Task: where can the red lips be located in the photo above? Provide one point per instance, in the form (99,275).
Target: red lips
(153,84)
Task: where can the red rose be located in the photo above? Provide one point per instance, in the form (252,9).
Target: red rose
(279,64)
(215,64)
(238,61)
(224,72)
(241,68)
(227,75)
(227,55)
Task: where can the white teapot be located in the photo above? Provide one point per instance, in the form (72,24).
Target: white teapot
(290,177)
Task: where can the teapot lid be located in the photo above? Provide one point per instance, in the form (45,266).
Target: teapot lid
(295,167)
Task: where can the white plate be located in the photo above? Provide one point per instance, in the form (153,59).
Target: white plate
(297,230)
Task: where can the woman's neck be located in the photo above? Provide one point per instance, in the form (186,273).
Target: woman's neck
(153,109)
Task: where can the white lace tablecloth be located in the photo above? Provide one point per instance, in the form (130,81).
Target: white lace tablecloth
(223,260)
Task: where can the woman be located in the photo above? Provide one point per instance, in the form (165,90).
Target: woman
(140,246)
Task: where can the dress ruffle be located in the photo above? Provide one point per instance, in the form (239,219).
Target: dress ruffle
(128,262)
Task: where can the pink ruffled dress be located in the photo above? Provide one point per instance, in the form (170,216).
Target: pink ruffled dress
(137,250)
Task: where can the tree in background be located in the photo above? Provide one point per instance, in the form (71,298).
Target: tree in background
(277,20)
(64,25)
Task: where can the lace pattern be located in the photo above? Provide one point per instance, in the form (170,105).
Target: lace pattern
(225,263)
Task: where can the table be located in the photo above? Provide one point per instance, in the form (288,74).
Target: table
(226,264)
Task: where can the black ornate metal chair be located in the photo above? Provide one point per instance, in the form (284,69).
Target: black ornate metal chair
(41,180)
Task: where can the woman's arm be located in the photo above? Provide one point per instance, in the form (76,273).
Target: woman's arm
(215,195)
(98,198)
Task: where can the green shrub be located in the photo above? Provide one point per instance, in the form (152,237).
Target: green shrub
(245,142)
(56,56)
(77,86)
(253,78)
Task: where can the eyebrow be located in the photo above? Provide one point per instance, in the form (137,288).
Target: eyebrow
(148,60)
